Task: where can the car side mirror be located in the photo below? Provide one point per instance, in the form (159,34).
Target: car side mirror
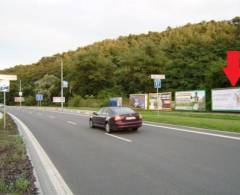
(95,113)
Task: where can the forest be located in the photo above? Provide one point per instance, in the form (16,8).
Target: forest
(191,56)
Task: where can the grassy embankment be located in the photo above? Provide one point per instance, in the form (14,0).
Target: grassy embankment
(16,176)
(214,121)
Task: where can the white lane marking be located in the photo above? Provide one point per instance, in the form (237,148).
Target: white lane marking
(71,122)
(193,131)
(51,116)
(54,176)
(121,138)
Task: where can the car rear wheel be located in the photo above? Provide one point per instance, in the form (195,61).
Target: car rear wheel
(135,129)
(91,124)
(107,128)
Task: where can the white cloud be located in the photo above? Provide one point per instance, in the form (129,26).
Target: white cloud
(31,29)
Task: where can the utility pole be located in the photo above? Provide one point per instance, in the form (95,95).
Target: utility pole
(20,93)
(62,84)
(4,110)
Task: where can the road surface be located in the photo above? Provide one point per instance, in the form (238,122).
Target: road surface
(152,161)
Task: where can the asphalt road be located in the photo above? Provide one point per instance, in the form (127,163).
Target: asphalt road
(152,161)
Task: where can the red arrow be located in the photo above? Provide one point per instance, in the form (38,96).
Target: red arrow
(232,70)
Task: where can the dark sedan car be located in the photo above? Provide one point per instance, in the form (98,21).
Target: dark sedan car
(116,118)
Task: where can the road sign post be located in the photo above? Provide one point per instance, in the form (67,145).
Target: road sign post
(39,99)
(5,87)
(4,110)
(157,84)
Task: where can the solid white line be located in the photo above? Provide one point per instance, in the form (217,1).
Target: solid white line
(121,138)
(52,117)
(193,131)
(71,122)
(54,176)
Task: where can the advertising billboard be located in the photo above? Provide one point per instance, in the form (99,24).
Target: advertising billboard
(226,99)
(190,100)
(138,100)
(164,101)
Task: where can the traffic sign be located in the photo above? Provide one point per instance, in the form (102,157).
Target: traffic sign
(58,99)
(4,85)
(158,76)
(8,77)
(65,84)
(39,97)
(19,99)
(157,83)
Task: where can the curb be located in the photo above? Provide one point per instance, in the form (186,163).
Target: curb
(48,179)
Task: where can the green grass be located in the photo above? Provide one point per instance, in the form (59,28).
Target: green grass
(12,160)
(215,121)
(83,108)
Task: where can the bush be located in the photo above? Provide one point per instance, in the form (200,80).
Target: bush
(78,101)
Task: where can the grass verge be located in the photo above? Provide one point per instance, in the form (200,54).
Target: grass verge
(214,121)
(16,173)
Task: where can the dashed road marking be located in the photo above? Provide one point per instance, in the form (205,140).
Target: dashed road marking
(118,137)
(71,122)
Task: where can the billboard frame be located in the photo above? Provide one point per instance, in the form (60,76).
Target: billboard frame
(205,101)
(223,110)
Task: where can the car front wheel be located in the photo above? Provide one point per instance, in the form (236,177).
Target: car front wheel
(107,128)
(91,124)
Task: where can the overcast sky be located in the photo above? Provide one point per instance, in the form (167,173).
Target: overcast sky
(31,29)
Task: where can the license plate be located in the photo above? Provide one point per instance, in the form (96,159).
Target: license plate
(130,118)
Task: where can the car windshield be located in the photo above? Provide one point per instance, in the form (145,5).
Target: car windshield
(123,110)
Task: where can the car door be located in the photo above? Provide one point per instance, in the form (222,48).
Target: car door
(97,117)
(102,117)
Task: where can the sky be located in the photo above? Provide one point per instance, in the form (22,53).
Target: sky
(31,29)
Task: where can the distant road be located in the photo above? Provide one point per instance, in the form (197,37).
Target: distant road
(153,161)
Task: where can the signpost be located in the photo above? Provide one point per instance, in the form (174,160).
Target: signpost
(157,84)
(20,93)
(39,99)
(5,87)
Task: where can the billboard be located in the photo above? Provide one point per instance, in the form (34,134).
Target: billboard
(226,99)
(190,100)
(138,100)
(164,101)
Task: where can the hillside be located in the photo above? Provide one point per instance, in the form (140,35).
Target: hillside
(191,57)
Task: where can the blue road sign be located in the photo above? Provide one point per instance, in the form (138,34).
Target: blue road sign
(39,97)
(157,83)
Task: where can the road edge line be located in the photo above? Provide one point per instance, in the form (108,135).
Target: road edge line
(194,131)
(57,182)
